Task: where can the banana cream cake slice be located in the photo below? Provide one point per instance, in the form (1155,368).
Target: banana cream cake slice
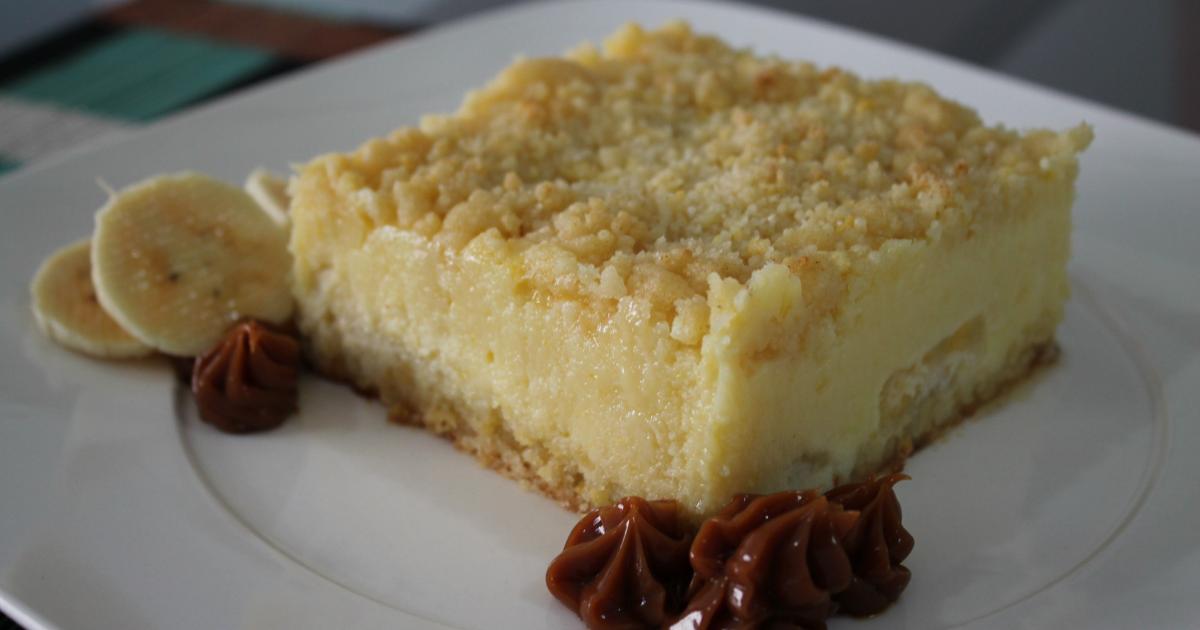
(675,269)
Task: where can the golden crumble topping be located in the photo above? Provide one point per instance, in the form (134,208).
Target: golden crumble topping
(648,166)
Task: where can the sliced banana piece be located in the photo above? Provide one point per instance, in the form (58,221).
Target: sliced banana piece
(66,308)
(270,191)
(178,258)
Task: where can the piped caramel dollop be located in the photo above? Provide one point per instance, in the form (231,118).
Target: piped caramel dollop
(877,543)
(775,559)
(784,560)
(248,381)
(624,565)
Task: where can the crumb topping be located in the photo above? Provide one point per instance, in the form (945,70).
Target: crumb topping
(647,166)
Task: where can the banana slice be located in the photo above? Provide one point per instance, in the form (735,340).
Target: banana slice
(67,311)
(178,258)
(270,191)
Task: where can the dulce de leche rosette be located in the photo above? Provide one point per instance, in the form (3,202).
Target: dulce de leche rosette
(789,559)
(769,559)
(248,381)
(877,542)
(624,565)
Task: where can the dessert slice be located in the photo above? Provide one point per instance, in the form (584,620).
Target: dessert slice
(674,269)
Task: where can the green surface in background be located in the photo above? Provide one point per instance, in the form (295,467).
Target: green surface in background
(6,166)
(141,74)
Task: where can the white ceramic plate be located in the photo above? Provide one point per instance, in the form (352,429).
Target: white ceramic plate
(1073,504)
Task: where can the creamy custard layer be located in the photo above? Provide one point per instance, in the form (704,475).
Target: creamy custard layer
(598,409)
(676,269)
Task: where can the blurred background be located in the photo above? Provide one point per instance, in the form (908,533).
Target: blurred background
(72,71)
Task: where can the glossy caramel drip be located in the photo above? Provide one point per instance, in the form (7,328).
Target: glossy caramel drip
(624,565)
(248,381)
